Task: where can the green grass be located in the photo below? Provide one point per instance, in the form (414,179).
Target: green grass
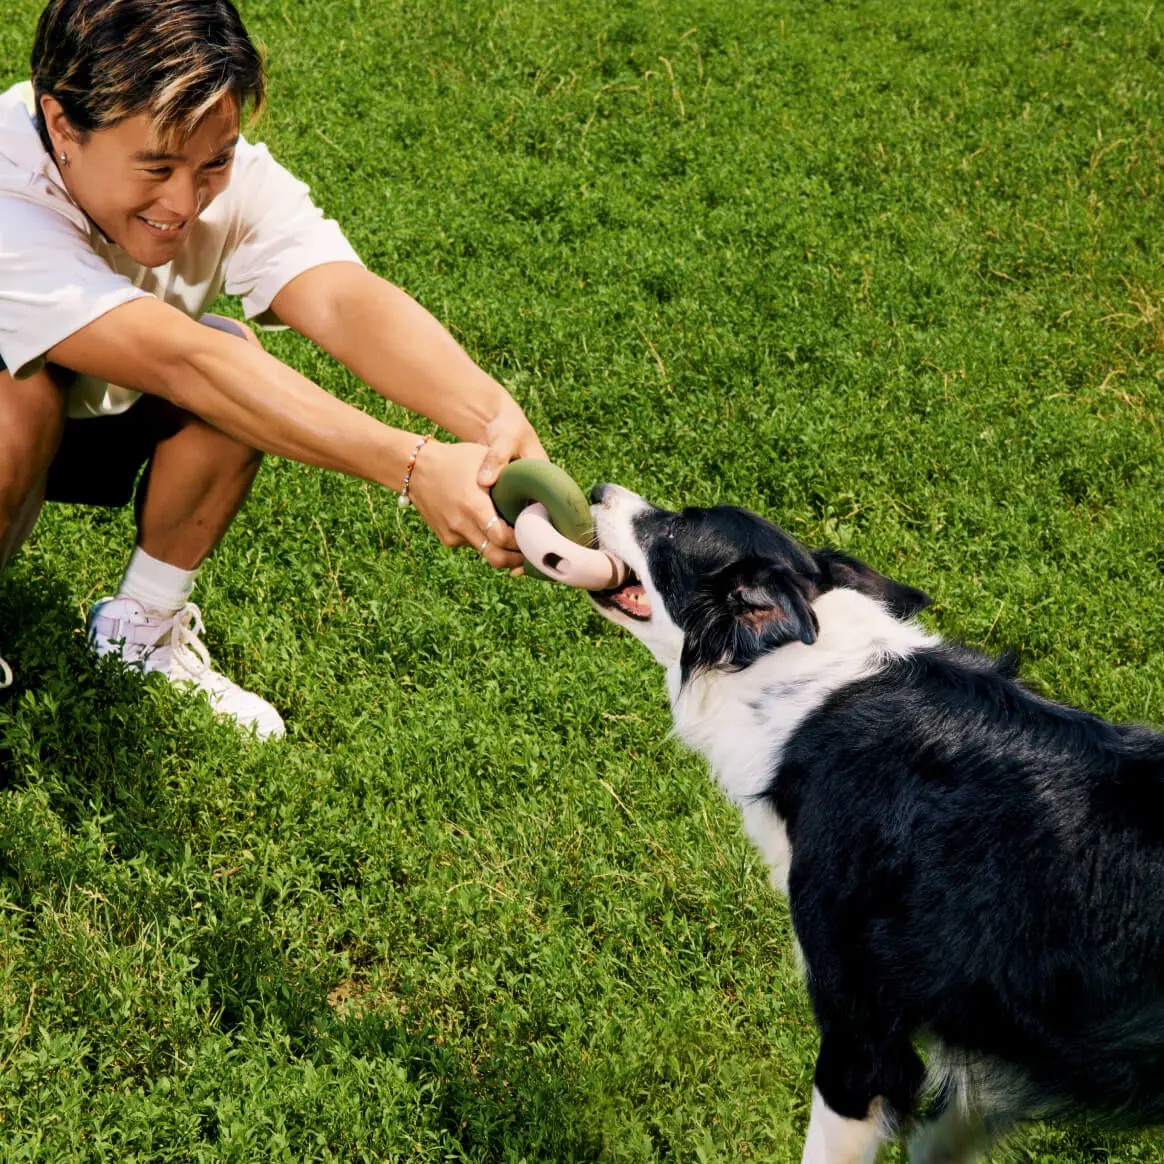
(888,272)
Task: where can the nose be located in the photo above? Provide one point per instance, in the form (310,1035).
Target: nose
(181,195)
(598,493)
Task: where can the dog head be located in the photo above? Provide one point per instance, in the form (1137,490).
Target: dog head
(719,587)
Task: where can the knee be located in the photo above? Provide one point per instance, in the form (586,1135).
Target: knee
(32,417)
(245,331)
(233,454)
(228,451)
(251,459)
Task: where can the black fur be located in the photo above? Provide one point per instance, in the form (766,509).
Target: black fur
(974,862)
(739,586)
(971,863)
(840,570)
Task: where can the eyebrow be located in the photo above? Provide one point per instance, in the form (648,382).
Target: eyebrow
(154,156)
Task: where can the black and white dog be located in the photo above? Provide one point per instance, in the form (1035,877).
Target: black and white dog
(970,868)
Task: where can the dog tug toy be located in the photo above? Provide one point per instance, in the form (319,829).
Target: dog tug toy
(551,522)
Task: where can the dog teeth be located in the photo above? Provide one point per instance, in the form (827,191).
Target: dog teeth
(633,599)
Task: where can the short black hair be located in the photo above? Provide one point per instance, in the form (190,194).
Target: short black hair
(105,60)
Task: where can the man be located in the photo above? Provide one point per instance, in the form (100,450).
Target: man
(128,202)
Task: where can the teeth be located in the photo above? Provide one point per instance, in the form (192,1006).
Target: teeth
(162,225)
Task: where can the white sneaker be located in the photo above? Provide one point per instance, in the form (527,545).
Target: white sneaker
(169,643)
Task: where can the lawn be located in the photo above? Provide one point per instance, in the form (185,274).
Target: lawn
(887,272)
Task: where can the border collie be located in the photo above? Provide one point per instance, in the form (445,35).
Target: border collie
(971,869)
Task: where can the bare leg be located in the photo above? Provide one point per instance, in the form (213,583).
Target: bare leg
(196,482)
(32,414)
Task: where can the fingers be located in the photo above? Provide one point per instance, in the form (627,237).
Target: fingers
(531,446)
(504,440)
(497,545)
(504,448)
(508,436)
(502,553)
(495,460)
(447,493)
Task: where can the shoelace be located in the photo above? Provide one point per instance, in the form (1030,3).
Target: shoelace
(5,675)
(181,631)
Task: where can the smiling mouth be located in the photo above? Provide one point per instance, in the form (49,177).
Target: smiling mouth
(630,598)
(164,227)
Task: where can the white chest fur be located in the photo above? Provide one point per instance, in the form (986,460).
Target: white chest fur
(741,721)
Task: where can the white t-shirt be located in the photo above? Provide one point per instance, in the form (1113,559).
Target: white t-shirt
(58,272)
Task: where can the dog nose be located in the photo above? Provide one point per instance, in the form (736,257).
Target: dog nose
(598,493)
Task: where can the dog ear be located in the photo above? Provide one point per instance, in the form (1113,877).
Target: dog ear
(839,570)
(766,600)
(746,609)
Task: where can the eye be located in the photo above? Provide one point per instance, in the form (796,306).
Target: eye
(219,163)
(158,171)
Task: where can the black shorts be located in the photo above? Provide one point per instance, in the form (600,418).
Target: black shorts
(99,459)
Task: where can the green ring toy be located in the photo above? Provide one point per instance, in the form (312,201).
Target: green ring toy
(551,520)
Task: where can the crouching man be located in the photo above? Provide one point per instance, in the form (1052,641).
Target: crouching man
(128,203)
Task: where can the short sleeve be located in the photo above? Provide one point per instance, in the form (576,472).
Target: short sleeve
(52,283)
(281,233)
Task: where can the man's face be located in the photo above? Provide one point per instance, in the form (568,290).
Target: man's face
(145,198)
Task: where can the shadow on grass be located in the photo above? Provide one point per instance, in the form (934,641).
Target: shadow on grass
(91,734)
(101,775)
(506,1106)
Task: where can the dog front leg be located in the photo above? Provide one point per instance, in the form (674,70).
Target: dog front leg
(834,1139)
(867,1082)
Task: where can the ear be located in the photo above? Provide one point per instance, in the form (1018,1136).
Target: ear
(56,121)
(745,610)
(840,571)
(766,600)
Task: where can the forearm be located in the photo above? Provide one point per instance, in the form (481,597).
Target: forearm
(394,345)
(237,387)
(255,398)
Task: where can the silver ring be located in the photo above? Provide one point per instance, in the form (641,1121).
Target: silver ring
(481,550)
(489,524)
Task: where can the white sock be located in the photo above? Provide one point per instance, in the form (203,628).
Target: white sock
(158,586)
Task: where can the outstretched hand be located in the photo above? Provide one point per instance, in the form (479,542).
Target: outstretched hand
(451,482)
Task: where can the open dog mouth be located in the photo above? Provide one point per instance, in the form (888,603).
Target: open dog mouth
(630,598)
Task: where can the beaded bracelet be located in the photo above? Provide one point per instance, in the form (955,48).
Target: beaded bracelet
(404,500)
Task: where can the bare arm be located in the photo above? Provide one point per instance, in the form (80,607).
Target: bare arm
(151,347)
(398,348)
(235,386)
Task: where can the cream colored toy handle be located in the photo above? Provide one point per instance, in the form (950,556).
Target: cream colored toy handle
(560,559)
